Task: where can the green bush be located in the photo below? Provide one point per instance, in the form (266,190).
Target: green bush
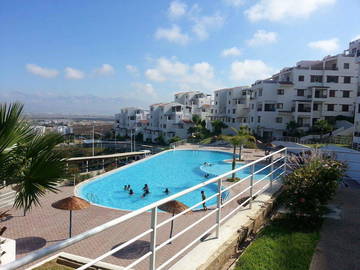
(311,185)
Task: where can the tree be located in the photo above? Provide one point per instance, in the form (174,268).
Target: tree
(244,136)
(198,130)
(234,141)
(218,126)
(323,127)
(30,160)
(139,137)
(174,139)
(291,127)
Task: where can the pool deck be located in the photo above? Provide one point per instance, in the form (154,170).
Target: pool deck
(44,226)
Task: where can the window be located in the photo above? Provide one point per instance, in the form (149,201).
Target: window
(316,78)
(229,93)
(217,94)
(229,101)
(279,105)
(260,92)
(345,107)
(252,119)
(279,120)
(346,65)
(234,111)
(259,107)
(316,107)
(269,108)
(330,107)
(233,120)
(259,119)
(216,103)
(244,93)
(252,106)
(228,111)
(359,108)
(332,93)
(346,94)
(347,79)
(280,91)
(300,92)
(332,79)
(301,78)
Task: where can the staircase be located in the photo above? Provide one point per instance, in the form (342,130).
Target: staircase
(7,199)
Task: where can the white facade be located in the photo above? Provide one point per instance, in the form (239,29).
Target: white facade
(63,130)
(310,91)
(130,120)
(231,106)
(168,120)
(354,49)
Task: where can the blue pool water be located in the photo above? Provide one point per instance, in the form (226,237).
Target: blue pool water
(176,170)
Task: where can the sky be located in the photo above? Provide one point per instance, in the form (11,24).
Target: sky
(94,57)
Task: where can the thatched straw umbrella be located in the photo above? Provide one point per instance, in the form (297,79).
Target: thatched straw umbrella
(174,207)
(71,203)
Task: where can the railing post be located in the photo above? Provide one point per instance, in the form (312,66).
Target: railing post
(272,171)
(152,265)
(87,166)
(251,185)
(285,160)
(218,208)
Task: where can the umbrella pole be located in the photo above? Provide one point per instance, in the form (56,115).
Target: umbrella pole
(70,225)
(171,228)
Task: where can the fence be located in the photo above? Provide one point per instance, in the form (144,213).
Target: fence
(246,189)
(178,143)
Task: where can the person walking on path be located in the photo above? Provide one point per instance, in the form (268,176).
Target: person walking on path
(203,197)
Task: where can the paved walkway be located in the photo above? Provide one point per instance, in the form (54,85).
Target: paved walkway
(339,246)
(44,226)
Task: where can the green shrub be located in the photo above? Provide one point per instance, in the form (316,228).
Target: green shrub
(310,186)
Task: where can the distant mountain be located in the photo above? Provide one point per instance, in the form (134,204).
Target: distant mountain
(47,103)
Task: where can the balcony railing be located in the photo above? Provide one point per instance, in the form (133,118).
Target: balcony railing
(277,167)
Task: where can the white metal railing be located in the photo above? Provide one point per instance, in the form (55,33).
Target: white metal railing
(274,159)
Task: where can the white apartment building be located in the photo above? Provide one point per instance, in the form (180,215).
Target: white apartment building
(63,130)
(231,106)
(130,120)
(354,49)
(305,93)
(168,120)
(200,103)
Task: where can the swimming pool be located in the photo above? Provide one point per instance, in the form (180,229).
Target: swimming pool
(176,170)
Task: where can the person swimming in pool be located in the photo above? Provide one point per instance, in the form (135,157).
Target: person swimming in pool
(146,189)
(166,191)
(131,192)
(125,187)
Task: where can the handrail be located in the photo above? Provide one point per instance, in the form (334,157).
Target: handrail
(68,242)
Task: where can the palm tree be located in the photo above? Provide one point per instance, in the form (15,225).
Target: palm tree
(234,141)
(245,137)
(218,126)
(30,160)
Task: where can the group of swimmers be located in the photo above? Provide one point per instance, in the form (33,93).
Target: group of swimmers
(145,189)
(207,164)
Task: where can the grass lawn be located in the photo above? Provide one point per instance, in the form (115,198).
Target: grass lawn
(278,247)
(317,145)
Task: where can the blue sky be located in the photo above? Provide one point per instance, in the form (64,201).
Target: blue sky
(67,52)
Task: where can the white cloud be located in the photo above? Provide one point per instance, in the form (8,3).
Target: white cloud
(155,75)
(234,51)
(205,24)
(132,69)
(146,89)
(172,34)
(327,46)
(234,3)
(278,10)
(41,71)
(74,74)
(248,71)
(356,38)
(197,76)
(261,37)
(177,9)
(105,69)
